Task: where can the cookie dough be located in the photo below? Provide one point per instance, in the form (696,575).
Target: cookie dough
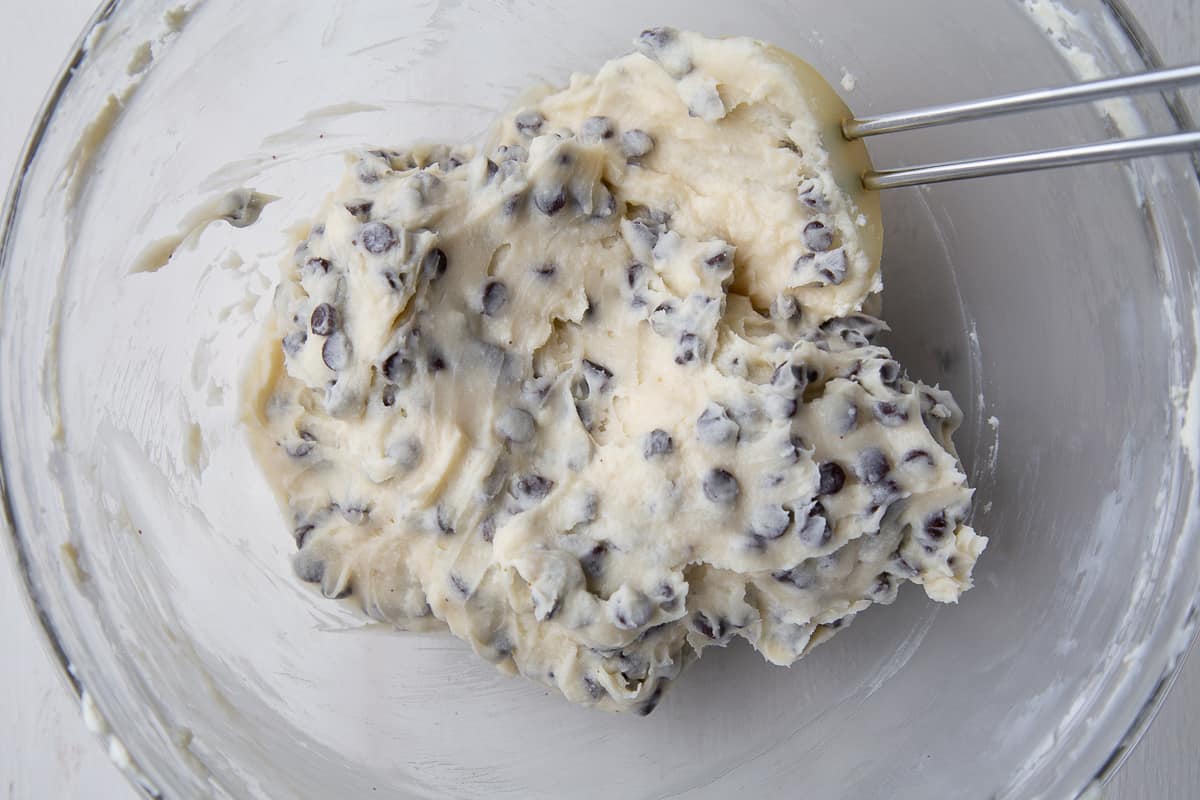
(602,394)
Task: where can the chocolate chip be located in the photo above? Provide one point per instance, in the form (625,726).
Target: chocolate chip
(832,266)
(592,562)
(354,514)
(889,372)
(800,576)
(785,308)
(550,200)
(636,143)
(817,236)
(597,375)
(714,426)
(816,530)
(532,487)
(771,522)
(655,39)
(516,425)
(645,234)
(459,585)
(595,129)
(849,419)
(308,568)
(723,259)
(898,565)
(445,521)
(918,457)
(690,348)
(633,274)
(657,443)
(377,237)
(833,478)
(434,264)
(324,320)
(936,525)
(301,532)
(487,529)
(336,352)
(529,122)
(435,362)
(493,298)
(360,209)
(721,487)
(397,368)
(712,627)
(889,414)
(388,396)
(647,706)
(629,609)
(873,466)
(594,689)
(545,271)
(299,449)
(294,342)
(781,406)
(812,196)
(315,266)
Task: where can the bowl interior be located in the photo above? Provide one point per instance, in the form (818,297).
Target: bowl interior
(1051,304)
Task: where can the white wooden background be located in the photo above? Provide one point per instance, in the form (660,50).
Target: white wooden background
(46,754)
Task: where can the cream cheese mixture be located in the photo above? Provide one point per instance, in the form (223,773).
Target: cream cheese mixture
(603,394)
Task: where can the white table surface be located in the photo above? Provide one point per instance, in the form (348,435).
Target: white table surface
(46,753)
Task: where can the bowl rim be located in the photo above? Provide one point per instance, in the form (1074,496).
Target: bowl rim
(1127,25)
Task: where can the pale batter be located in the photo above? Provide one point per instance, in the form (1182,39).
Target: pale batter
(603,395)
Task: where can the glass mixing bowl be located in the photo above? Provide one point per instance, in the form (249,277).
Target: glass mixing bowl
(1059,307)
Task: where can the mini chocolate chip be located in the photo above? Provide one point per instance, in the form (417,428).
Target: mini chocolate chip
(889,414)
(434,265)
(721,260)
(873,465)
(324,320)
(785,308)
(647,706)
(529,122)
(714,426)
(493,298)
(811,196)
(299,450)
(388,396)
(817,236)
(636,143)
(849,418)
(690,348)
(545,271)
(721,487)
(435,362)
(714,628)
(294,342)
(657,443)
(377,237)
(336,351)
(645,234)
(833,478)
(459,586)
(594,129)
(550,200)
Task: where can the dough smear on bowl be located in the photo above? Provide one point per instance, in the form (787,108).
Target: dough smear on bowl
(603,394)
